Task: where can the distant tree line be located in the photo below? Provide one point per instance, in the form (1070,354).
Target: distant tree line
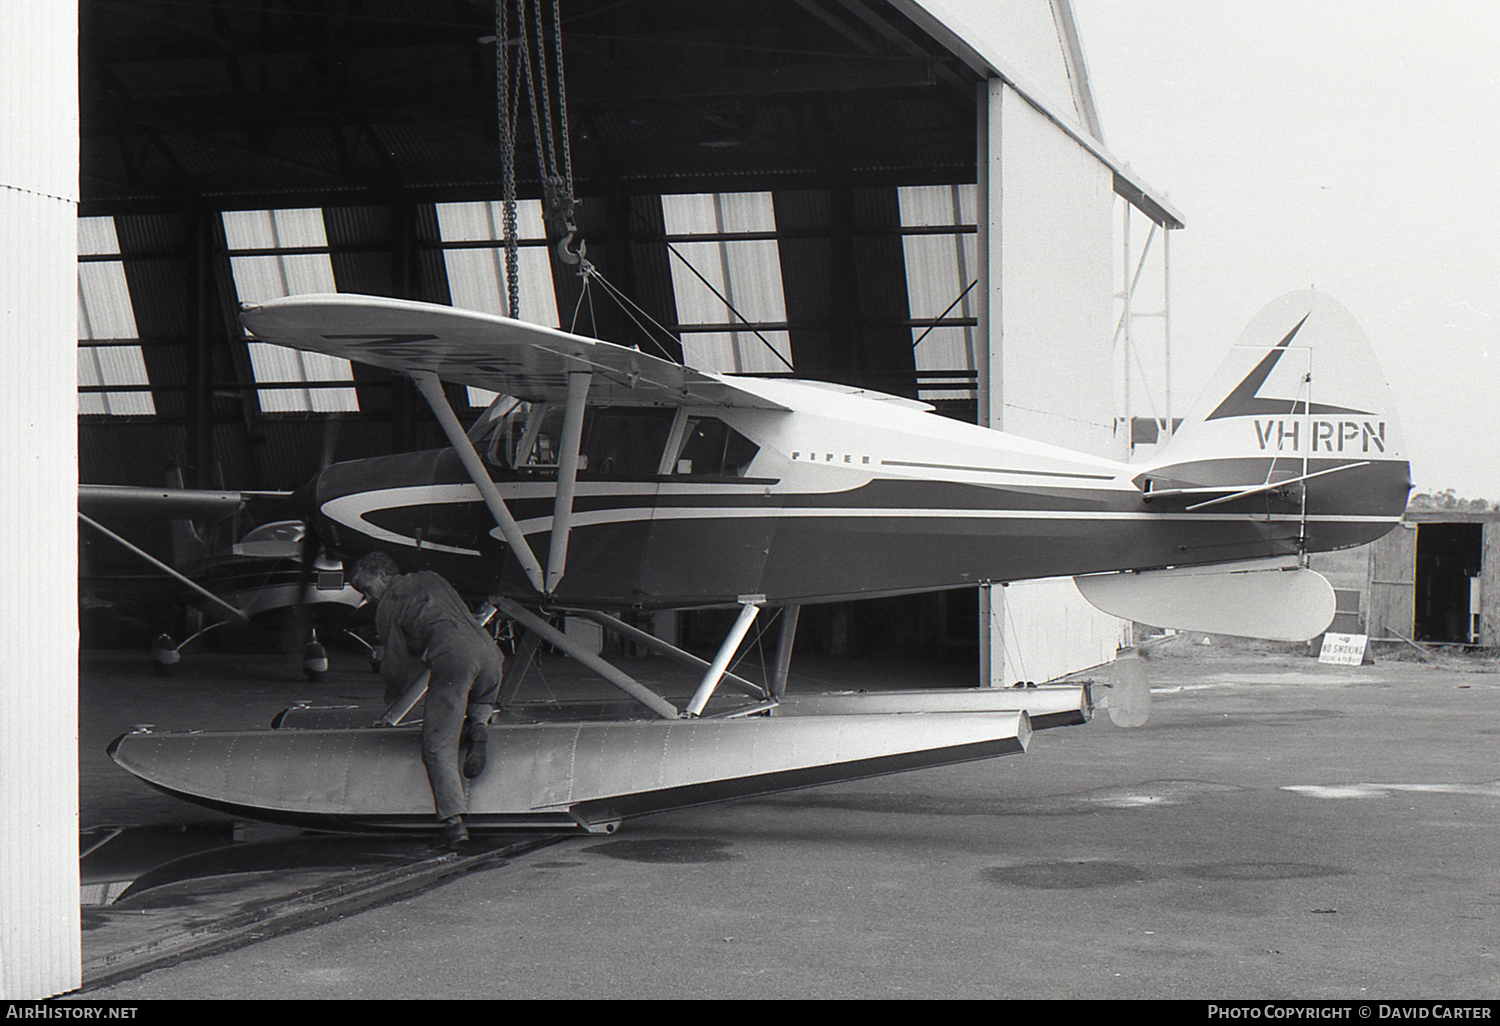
(1447,499)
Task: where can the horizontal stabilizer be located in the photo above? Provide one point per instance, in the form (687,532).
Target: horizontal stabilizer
(1273,599)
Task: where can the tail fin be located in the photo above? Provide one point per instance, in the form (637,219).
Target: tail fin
(187,543)
(1298,412)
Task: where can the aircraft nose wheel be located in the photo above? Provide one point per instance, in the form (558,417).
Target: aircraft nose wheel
(314,661)
(164,655)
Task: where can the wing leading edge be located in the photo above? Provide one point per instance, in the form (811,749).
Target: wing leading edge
(465,347)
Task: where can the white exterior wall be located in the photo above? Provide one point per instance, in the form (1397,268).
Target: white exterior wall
(40,939)
(1046,241)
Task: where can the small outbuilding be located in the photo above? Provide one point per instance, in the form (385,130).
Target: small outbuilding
(1435,578)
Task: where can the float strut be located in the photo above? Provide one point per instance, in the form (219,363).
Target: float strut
(655,644)
(784,650)
(749,607)
(408,701)
(650,699)
(517,665)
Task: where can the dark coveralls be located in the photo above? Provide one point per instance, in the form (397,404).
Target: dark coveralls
(421,619)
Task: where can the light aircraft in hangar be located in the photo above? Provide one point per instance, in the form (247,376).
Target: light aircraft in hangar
(225,572)
(605,479)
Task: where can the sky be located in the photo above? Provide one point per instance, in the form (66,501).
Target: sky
(1347,145)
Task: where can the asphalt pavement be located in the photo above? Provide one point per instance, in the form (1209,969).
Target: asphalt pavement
(1279,829)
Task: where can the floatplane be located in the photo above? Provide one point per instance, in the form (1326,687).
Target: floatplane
(604,479)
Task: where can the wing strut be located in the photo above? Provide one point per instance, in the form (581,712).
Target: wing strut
(567,476)
(432,390)
(237,614)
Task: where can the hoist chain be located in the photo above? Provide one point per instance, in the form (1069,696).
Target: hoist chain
(562,96)
(506,116)
(556,169)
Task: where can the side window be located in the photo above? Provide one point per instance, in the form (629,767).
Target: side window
(625,441)
(622,442)
(711,448)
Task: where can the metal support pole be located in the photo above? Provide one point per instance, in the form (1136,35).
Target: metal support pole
(669,650)
(567,476)
(1127,286)
(1166,324)
(650,699)
(408,700)
(516,667)
(432,390)
(784,642)
(749,607)
(237,614)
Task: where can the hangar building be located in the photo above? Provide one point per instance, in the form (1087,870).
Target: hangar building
(912,196)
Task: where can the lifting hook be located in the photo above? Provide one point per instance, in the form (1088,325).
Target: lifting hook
(568,255)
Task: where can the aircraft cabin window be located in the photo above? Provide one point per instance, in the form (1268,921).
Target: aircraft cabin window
(711,448)
(625,441)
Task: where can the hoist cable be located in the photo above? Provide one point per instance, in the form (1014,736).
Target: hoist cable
(630,308)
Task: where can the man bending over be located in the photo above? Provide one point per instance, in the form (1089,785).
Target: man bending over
(420,617)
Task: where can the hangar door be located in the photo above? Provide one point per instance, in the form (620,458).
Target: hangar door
(1048,234)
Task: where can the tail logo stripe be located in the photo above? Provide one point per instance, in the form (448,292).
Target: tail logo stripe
(1245,400)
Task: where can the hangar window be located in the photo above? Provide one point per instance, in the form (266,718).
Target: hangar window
(276,253)
(474,255)
(726,264)
(112,376)
(940,242)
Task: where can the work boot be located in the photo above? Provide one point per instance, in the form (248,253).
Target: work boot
(454,833)
(476,734)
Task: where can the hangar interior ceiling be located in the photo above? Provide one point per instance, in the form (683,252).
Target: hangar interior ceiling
(234,151)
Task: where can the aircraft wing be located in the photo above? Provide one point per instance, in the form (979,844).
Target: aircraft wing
(464,347)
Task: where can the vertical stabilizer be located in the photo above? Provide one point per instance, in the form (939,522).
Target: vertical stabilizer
(1299,393)
(1297,421)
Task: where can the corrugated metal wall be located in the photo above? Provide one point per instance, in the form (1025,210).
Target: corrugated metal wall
(40,940)
(1489,580)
